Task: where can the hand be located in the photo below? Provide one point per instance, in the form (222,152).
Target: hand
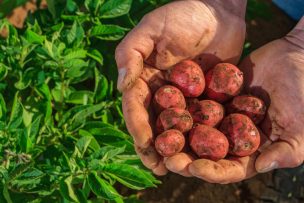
(275,73)
(204,30)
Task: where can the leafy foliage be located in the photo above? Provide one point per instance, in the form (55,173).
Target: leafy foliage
(62,134)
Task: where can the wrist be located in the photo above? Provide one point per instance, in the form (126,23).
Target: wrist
(296,35)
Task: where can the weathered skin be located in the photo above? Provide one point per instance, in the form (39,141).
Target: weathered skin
(243,136)
(206,112)
(208,28)
(174,118)
(202,30)
(248,105)
(223,82)
(208,142)
(188,77)
(166,97)
(169,143)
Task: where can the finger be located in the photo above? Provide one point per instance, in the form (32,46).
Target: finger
(280,154)
(153,77)
(161,169)
(179,164)
(223,171)
(134,103)
(130,54)
(149,157)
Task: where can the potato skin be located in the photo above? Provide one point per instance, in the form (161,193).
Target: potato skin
(206,112)
(243,136)
(168,96)
(188,77)
(169,143)
(174,118)
(223,82)
(208,142)
(248,105)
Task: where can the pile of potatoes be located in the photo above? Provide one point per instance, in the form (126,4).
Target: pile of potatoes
(221,123)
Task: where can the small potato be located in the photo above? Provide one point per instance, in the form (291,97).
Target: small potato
(169,143)
(223,82)
(188,77)
(250,106)
(168,97)
(208,142)
(243,136)
(206,112)
(174,118)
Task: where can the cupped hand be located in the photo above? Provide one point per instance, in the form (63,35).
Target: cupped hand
(208,30)
(203,30)
(275,73)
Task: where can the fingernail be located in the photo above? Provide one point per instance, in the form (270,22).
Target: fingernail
(121,76)
(270,167)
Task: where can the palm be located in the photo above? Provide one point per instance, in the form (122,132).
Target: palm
(276,73)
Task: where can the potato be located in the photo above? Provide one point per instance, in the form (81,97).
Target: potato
(223,82)
(206,112)
(188,77)
(208,142)
(242,134)
(169,143)
(168,97)
(174,118)
(250,106)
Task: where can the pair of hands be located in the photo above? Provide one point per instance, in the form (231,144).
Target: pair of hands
(211,31)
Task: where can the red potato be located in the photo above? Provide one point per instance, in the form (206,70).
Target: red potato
(169,143)
(223,82)
(168,97)
(251,106)
(174,118)
(208,142)
(188,77)
(206,112)
(243,136)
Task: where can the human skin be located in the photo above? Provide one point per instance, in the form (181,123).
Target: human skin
(275,73)
(207,28)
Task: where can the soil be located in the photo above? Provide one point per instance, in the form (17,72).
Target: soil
(280,186)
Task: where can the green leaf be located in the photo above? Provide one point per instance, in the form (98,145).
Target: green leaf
(33,37)
(26,78)
(108,32)
(16,114)
(96,55)
(129,176)
(52,7)
(76,34)
(115,8)
(108,152)
(82,144)
(71,6)
(3,109)
(93,5)
(67,190)
(25,142)
(101,86)
(100,187)
(75,54)
(76,68)
(3,71)
(81,97)
(6,194)
(33,128)
(93,144)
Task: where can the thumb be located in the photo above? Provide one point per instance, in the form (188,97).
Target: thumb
(130,54)
(280,154)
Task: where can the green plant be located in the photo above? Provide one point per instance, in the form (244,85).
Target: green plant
(62,133)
